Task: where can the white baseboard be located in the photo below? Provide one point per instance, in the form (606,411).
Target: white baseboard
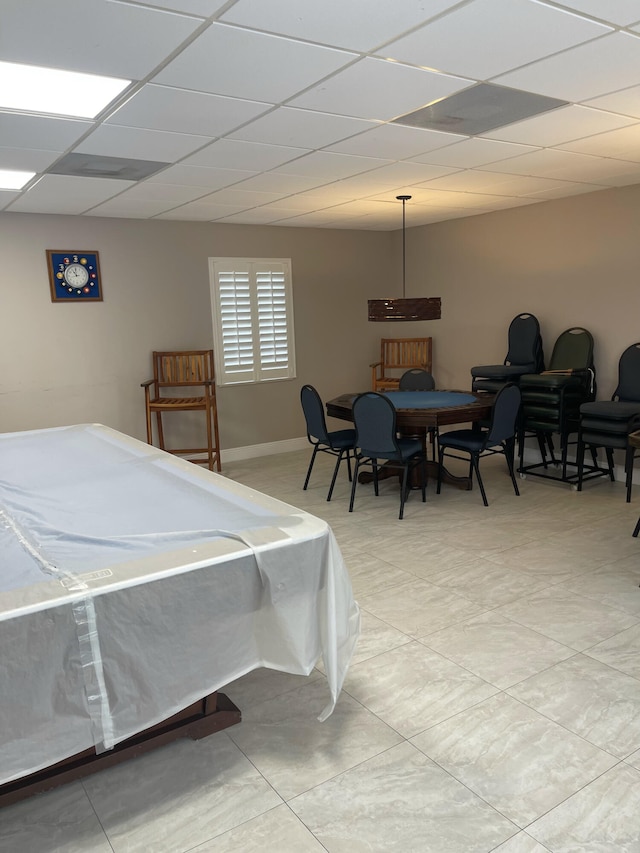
(252,451)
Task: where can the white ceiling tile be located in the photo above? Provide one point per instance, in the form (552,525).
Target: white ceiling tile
(253,158)
(422,196)
(561,125)
(199,210)
(353,25)
(123,206)
(623,144)
(240,199)
(521,31)
(66,194)
(472,152)
(451,198)
(583,72)
(375,89)
(621,12)
(328,165)
(302,128)
(244,64)
(541,163)
(141,144)
(257,216)
(626,102)
(60,133)
(201,8)
(115,39)
(163,108)
(199,176)
(320,219)
(401,174)
(304,202)
(26,159)
(173,193)
(565,191)
(565,165)
(493,183)
(237,154)
(279,182)
(395,142)
(6,197)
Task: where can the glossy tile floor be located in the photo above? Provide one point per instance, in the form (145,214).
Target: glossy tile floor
(493,703)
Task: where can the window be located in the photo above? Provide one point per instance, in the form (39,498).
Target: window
(252,319)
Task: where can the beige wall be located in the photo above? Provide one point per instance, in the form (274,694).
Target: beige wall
(75,363)
(571,262)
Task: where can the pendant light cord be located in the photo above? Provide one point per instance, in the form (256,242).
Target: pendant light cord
(403,199)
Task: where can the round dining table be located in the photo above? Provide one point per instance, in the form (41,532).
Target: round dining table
(418,412)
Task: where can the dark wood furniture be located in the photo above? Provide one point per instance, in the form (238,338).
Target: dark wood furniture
(204,717)
(396,356)
(418,421)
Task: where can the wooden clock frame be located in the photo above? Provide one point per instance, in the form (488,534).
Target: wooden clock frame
(62,290)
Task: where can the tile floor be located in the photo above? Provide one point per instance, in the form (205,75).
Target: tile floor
(493,703)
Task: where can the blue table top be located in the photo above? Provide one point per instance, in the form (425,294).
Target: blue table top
(428,399)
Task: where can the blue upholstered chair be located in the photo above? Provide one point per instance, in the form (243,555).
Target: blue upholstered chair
(377,439)
(339,443)
(607,423)
(524,355)
(417,379)
(498,438)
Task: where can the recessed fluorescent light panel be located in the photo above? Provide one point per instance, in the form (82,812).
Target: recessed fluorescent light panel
(32,89)
(12,180)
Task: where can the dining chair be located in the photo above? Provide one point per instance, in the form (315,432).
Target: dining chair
(607,423)
(339,443)
(377,439)
(551,402)
(417,379)
(499,437)
(524,355)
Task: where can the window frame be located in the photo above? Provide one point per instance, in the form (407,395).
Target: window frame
(253,323)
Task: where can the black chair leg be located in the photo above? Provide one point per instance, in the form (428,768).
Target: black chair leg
(637,528)
(403,489)
(313,459)
(476,468)
(349,452)
(580,461)
(542,447)
(335,474)
(440,464)
(609,452)
(510,452)
(354,483)
(628,465)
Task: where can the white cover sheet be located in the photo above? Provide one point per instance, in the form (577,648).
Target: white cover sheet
(133,583)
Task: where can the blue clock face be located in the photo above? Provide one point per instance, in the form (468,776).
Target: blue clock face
(74,276)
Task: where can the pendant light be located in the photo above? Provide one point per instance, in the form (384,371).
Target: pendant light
(420,308)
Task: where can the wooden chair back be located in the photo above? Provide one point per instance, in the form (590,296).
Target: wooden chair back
(399,355)
(187,367)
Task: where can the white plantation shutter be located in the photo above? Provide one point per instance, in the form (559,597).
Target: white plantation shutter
(252,319)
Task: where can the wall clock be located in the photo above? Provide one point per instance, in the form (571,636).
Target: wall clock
(74,276)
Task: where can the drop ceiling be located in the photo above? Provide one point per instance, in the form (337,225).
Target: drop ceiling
(290,112)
